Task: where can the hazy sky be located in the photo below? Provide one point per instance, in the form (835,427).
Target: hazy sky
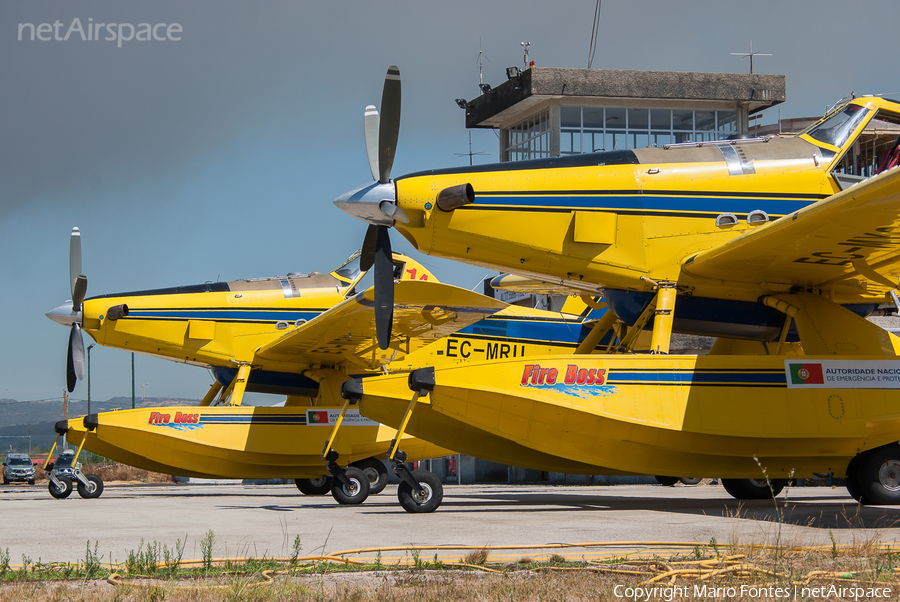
(218,155)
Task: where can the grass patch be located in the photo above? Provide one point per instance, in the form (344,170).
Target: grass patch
(581,572)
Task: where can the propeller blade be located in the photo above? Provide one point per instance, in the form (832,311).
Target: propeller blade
(74,358)
(367,254)
(74,259)
(77,351)
(371,122)
(389,128)
(78,292)
(384,287)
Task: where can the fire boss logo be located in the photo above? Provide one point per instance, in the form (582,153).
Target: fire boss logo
(160,418)
(533,374)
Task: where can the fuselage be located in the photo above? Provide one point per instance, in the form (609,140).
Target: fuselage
(221,325)
(601,222)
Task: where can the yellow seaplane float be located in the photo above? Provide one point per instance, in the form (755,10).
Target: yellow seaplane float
(300,336)
(778,247)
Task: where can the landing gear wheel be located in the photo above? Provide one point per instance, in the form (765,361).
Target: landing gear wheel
(376,472)
(356,493)
(753,489)
(879,475)
(666,481)
(317,486)
(687,481)
(412,501)
(65,489)
(851,481)
(94,490)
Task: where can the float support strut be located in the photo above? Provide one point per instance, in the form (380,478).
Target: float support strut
(211,394)
(598,331)
(337,425)
(240,384)
(50,455)
(665,314)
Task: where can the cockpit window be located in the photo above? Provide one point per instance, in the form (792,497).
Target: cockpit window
(837,129)
(348,272)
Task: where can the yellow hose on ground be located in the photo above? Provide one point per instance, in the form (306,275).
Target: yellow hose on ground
(668,570)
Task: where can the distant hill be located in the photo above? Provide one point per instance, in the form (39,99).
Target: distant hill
(37,418)
(14,413)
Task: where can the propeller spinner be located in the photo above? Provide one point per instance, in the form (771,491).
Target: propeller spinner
(70,313)
(375,203)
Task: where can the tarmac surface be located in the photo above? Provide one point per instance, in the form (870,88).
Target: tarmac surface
(263,520)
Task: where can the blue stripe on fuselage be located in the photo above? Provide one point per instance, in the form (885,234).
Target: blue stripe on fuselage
(223,315)
(721,378)
(251,419)
(775,206)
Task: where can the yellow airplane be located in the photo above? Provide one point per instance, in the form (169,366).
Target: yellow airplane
(777,246)
(300,336)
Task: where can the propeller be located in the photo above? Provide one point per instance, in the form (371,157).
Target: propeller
(375,203)
(70,313)
(75,357)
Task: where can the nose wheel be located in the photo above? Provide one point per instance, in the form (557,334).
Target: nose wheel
(420,491)
(60,487)
(878,475)
(349,486)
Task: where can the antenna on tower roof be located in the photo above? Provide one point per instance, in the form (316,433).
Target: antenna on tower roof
(470,154)
(751,55)
(526,46)
(480,58)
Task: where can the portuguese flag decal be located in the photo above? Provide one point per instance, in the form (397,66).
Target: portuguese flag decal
(807,374)
(320,417)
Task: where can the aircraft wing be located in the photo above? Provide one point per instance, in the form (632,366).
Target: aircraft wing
(424,311)
(850,239)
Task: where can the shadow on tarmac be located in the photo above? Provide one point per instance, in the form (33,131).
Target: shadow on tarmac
(798,509)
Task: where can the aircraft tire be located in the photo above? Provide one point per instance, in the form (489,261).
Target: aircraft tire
(356,495)
(753,489)
(376,472)
(318,486)
(851,481)
(666,481)
(63,493)
(412,502)
(688,481)
(879,475)
(92,492)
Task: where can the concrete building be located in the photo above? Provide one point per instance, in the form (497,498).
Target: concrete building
(550,112)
